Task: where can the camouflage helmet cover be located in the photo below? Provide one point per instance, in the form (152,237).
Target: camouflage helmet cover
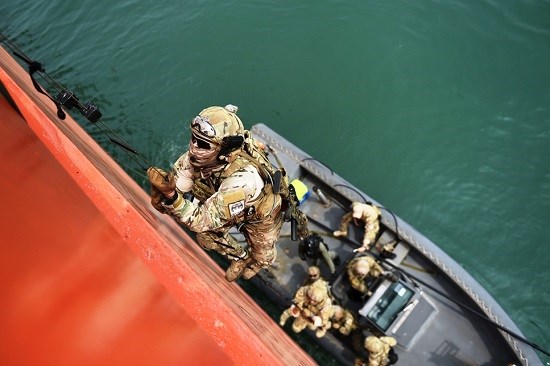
(317,292)
(215,123)
(362,266)
(373,344)
(376,345)
(314,271)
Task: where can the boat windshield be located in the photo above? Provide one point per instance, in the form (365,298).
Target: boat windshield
(389,305)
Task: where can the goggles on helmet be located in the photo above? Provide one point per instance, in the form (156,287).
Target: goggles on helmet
(203,126)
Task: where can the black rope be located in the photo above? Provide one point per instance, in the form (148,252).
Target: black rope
(35,66)
(279,163)
(394,219)
(69,100)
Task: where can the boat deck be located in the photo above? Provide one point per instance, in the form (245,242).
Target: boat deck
(439,331)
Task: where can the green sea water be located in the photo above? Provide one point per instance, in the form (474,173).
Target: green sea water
(440,110)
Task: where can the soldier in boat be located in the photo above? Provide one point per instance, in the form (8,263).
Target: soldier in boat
(312,308)
(313,247)
(381,352)
(369,214)
(343,320)
(361,269)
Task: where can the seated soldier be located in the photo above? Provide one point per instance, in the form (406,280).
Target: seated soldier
(360,269)
(343,320)
(312,308)
(381,352)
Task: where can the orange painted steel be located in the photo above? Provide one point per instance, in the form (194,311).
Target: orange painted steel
(72,292)
(91,274)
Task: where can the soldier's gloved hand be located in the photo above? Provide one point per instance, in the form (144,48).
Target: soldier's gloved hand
(366,246)
(164,182)
(156,200)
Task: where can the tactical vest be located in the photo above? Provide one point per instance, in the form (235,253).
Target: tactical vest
(309,247)
(266,203)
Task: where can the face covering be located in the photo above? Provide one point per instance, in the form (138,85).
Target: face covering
(203,160)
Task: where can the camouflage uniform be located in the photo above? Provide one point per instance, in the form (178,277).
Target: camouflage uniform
(370,214)
(359,269)
(229,190)
(241,197)
(343,320)
(312,308)
(314,277)
(379,349)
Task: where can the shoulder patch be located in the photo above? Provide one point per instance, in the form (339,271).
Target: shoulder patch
(234,201)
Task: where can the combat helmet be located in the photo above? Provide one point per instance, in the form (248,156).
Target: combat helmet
(213,124)
(373,344)
(376,345)
(338,312)
(362,266)
(317,292)
(313,273)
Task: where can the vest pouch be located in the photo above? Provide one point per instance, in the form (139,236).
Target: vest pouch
(201,191)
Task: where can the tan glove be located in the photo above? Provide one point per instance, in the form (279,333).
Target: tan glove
(156,200)
(164,182)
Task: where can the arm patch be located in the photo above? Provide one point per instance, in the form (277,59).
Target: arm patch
(234,202)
